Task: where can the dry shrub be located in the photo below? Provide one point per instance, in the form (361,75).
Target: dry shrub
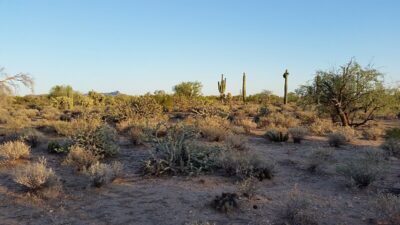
(387,209)
(14,150)
(316,160)
(307,118)
(101,173)
(321,127)
(298,209)
(201,223)
(50,113)
(37,177)
(237,142)
(392,147)
(80,158)
(80,125)
(277,135)
(278,120)
(247,125)
(137,135)
(363,171)
(372,133)
(298,134)
(248,187)
(226,203)
(243,165)
(214,128)
(337,139)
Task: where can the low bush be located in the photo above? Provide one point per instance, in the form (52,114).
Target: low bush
(226,203)
(243,165)
(393,133)
(237,142)
(321,127)
(137,135)
(101,173)
(336,139)
(14,150)
(362,171)
(248,187)
(297,210)
(392,147)
(277,135)
(316,160)
(387,209)
(176,153)
(80,158)
(103,141)
(36,176)
(58,147)
(372,133)
(298,134)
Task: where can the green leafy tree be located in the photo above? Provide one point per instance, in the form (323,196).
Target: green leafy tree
(61,91)
(352,93)
(188,89)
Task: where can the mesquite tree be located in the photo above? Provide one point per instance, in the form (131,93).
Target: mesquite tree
(351,93)
(10,83)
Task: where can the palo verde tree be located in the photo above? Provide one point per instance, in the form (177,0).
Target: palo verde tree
(188,89)
(9,83)
(351,93)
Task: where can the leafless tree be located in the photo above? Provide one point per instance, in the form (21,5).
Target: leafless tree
(9,84)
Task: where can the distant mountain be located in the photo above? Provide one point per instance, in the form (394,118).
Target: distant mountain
(114,93)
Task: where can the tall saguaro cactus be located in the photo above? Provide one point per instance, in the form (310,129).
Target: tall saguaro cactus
(244,88)
(222,87)
(285,96)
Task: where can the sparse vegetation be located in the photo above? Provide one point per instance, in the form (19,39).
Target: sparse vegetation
(80,158)
(298,134)
(337,139)
(387,209)
(101,173)
(14,150)
(277,135)
(226,203)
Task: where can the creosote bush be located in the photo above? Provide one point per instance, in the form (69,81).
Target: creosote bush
(243,165)
(36,176)
(101,173)
(14,150)
(298,134)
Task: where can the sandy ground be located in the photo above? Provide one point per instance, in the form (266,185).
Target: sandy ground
(182,200)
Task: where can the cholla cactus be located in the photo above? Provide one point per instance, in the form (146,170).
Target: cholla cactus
(222,87)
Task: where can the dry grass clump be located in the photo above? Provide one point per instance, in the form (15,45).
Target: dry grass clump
(298,210)
(213,128)
(176,153)
(226,203)
(83,124)
(276,135)
(247,125)
(278,120)
(137,135)
(337,139)
(242,165)
(101,173)
(316,160)
(387,209)
(80,158)
(363,171)
(14,150)
(237,142)
(298,134)
(307,118)
(37,177)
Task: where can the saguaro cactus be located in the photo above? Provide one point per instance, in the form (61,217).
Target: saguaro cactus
(285,76)
(244,88)
(222,87)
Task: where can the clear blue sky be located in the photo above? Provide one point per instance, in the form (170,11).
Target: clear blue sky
(141,46)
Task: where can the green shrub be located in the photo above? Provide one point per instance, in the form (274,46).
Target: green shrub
(226,203)
(175,153)
(102,141)
(58,146)
(392,147)
(393,133)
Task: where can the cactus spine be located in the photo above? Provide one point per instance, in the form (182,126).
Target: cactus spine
(222,87)
(285,96)
(244,88)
